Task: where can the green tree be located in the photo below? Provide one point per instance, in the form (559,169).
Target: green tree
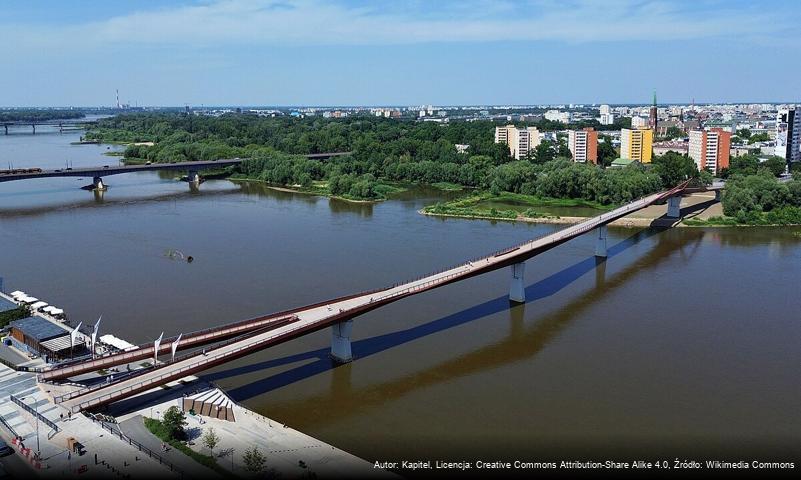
(563,151)
(759,137)
(743,165)
(673,132)
(705,177)
(254,460)
(776,165)
(174,422)
(544,152)
(606,152)
(211,439)
(744,133)
(673,168)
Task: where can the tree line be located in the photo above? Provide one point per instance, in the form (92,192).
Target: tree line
(38,115)
(386,150)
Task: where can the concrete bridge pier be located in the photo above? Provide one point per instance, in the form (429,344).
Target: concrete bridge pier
(718,195)
(600,243)
(33,126)
(6,127)
(340,341)
(517,291)
(600,272)
(674,207)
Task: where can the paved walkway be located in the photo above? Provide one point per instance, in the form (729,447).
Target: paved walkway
(290,453)
(135,428)
(111,452)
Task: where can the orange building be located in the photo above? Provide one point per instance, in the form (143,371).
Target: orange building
(710,149)
(583,144)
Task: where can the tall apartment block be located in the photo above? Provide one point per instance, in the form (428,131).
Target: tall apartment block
(637,144)
(519,140)
(788,133)
(607,117)
(583,144)
(710,149)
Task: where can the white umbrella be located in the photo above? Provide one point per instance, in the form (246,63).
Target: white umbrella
(38,305)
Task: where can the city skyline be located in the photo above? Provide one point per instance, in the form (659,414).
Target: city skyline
(310,52)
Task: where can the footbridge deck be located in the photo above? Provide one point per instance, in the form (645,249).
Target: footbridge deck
(334,312)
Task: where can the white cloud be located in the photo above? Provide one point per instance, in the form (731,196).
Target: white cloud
(316,22)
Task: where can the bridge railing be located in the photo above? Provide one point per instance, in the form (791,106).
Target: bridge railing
(135,373)
(150,453)
(148,349)
(36,414)
(207,357)
(560,235)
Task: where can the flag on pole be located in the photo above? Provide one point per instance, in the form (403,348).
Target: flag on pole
(74,335)
(156,349)
(175,346)
(94,334)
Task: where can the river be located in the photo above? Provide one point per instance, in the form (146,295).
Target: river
(683,341)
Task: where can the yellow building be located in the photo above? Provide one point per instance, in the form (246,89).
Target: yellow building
(519,140)
(637,144)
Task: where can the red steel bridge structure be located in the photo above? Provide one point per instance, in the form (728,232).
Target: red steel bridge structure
(235,340)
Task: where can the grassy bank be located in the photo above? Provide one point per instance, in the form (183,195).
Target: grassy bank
(766,220)
(383,190)
(158,429)
(508,206)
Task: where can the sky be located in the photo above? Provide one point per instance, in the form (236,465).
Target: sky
(396,52)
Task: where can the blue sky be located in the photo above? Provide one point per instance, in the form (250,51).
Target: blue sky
(381,52)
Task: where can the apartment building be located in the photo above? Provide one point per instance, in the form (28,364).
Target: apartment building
(583,144)
(788,133)
(519,140)
(606,115)
(637,144)
(710,149)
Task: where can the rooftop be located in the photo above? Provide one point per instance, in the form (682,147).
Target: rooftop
(39,328)
(6,304)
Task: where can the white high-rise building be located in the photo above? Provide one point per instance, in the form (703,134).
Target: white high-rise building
(519,140)
(607,117)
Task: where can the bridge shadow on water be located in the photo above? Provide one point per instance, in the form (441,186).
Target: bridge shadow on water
(370,346)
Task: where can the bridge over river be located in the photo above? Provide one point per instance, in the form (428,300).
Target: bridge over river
(244,337)
(97,173)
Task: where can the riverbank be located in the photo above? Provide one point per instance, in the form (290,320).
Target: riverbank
(319,189)
(696,207)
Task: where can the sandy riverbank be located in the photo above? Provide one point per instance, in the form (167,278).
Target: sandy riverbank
(700,206)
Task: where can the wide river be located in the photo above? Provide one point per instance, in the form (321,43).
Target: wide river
(683,342)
